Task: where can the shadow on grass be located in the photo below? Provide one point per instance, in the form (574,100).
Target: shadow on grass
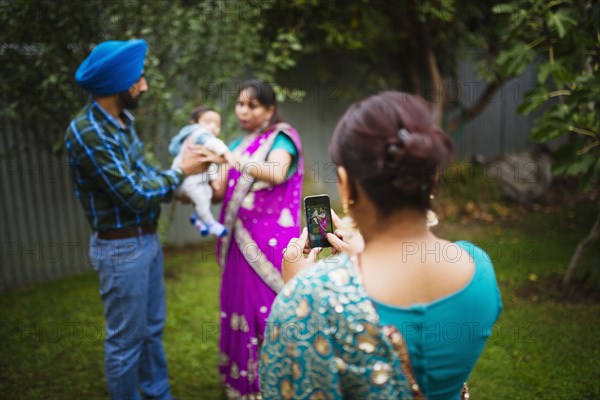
(550,289)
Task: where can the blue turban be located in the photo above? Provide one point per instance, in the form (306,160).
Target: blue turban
(112,67)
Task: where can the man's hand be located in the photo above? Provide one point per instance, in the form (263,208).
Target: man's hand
(183,199)
(196,158)
(193,159)
(210,157)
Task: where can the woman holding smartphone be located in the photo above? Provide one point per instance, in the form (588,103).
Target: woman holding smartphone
(400,313)
(261,198)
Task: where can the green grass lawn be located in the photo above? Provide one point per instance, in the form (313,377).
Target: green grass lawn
(545,345)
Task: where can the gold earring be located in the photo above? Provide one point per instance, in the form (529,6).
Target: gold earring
(348,226)
(345,207)
(264,125)
(432,219)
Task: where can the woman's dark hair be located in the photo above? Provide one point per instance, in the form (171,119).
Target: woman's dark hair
(264,93)
(198,111)
(391,146)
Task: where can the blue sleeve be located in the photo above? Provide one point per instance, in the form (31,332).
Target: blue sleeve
(284,142)
(177,141)
(485,270)
(232,146)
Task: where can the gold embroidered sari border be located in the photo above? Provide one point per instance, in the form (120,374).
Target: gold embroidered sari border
(258,261)
(242,188)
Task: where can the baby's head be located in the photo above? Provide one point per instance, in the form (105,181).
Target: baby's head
(207,118)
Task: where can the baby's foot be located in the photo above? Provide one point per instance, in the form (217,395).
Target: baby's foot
(217,229)
(202,228)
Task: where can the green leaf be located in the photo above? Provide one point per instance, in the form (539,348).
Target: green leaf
(533,100)
(503,8)
(543,71)
(546,132)
(590,180)
(552,124)
(516,59)
(559,169)
(561,22)
(581,164)
(58,146)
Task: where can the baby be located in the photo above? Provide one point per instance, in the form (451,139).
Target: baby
(204,127)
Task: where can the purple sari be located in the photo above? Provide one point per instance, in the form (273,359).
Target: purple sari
(323,224)
(260,219)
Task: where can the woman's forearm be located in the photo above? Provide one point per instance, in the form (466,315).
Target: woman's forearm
(274,170)
(219,185)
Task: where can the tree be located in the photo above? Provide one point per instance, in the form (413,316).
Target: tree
(197,51)
(563,38)
(41,46)
(415,45)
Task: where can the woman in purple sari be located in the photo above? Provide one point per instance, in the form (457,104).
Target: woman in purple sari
(261,211)
(322,218)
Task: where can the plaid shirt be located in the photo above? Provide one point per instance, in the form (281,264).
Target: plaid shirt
(115,185)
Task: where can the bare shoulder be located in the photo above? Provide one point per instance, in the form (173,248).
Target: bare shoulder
(454,267)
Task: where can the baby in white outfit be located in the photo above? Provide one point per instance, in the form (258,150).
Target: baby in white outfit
(204,127)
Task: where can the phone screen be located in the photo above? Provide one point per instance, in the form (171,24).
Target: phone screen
(318,220)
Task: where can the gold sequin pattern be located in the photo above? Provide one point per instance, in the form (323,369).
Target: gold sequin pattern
(328,324)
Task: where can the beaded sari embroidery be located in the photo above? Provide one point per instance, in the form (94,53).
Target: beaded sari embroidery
(323,340)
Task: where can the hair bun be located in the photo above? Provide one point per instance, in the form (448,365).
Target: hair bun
(396,148)
(395,152)
(391,146)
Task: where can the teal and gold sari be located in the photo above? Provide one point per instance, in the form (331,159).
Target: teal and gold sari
(323,341)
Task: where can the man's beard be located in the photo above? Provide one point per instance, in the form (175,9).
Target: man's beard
(127,101)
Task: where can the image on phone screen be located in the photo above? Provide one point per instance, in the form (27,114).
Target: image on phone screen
(318,220)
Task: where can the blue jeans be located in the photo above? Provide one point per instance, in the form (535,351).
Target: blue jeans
(133,292)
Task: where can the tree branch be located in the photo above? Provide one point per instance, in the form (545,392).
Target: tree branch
(581,247)
(438,101)
(436,90)
(476,108)
(415,78)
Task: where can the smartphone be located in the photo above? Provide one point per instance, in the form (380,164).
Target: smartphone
(318,220)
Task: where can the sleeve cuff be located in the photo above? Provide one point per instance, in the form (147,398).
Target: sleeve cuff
(179,172)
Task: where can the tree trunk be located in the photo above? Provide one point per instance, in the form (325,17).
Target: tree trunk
(415,78)
(438,100)
(581,247)
(476,108)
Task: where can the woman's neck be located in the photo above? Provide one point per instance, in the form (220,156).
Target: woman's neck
(400,227)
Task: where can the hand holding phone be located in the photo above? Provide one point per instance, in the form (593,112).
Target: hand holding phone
(350,244)
(318,220)
(294,259)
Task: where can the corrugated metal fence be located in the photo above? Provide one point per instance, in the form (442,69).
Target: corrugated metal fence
(498,130)
(43,231)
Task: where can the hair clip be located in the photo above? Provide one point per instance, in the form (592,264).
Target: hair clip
(404,135)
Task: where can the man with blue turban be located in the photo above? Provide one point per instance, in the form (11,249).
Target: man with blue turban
(121,194)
